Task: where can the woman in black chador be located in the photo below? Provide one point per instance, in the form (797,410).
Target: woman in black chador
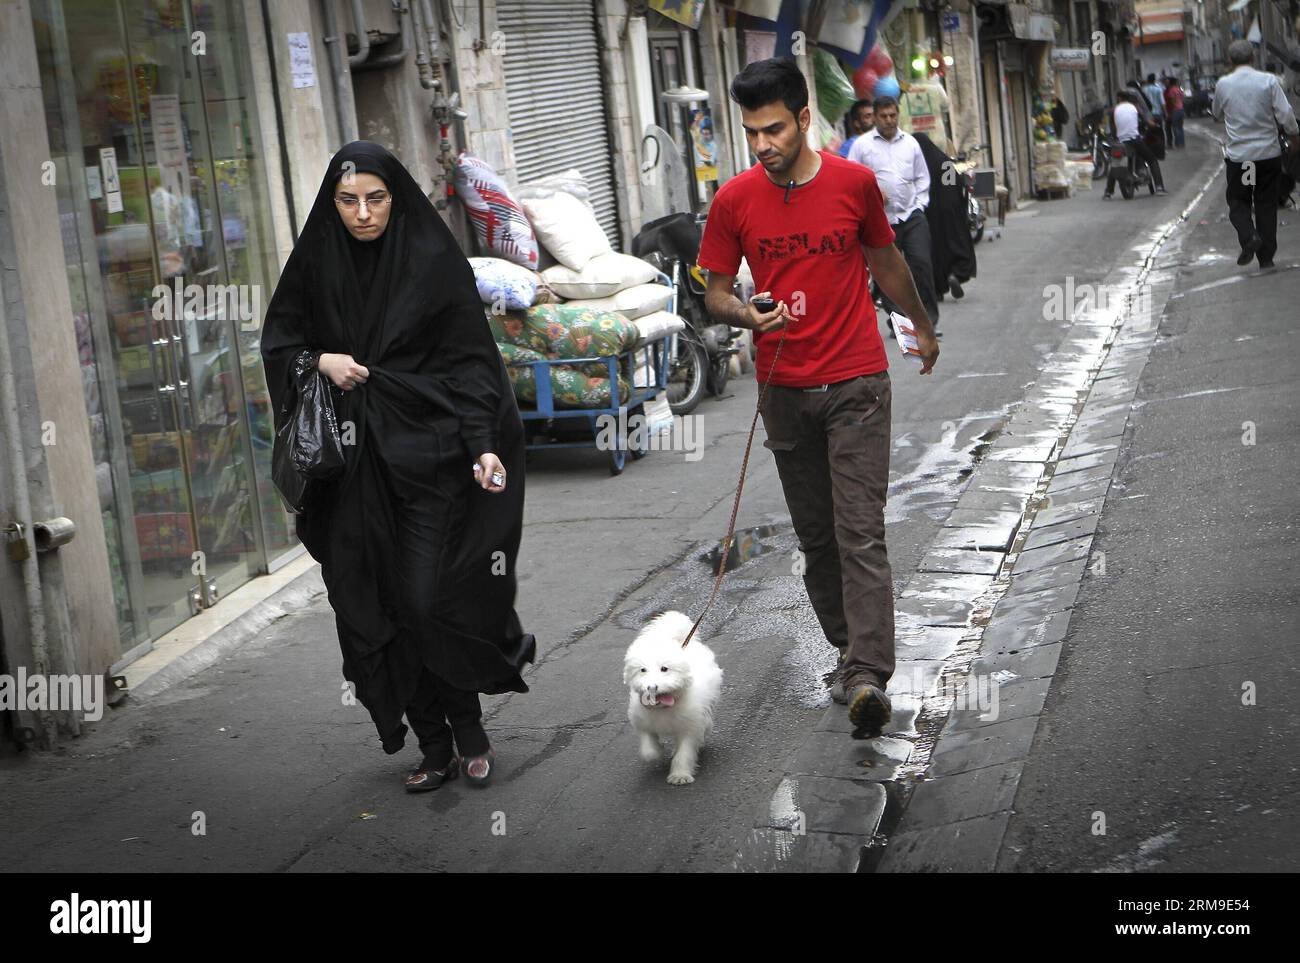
(952,252)
(417,538)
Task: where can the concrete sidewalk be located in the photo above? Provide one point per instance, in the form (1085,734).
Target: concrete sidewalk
(1141,650)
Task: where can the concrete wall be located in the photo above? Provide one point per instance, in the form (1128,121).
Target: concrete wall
(310,130)
(965,109)
(40,314)
(625,140)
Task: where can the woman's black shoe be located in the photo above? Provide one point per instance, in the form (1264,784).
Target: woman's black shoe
(426,778)
(478,769)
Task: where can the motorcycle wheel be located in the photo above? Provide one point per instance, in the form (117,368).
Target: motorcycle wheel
(687,376)
(719,372)
(1126,188)
(1151,184)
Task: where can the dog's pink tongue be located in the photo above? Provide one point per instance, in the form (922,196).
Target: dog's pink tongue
(667,700)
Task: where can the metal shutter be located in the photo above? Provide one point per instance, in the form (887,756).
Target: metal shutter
(553,85)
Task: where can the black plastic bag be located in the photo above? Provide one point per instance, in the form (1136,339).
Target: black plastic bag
(308,445)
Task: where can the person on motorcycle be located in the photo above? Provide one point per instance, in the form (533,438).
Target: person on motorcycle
(1124,123)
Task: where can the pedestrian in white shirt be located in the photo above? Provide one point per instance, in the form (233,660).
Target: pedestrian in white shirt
(1253,106)
(904,180)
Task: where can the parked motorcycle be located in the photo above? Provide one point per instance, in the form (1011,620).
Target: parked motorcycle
(701,357)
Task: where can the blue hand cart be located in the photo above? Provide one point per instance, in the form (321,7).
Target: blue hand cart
(653,369)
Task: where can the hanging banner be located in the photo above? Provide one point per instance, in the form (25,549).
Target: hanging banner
(704,146)
(683,11)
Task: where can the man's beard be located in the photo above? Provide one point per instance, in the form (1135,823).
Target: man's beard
(783,171)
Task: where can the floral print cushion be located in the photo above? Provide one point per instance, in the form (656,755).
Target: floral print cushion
(573,386)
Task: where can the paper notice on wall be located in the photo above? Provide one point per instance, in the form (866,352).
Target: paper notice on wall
(759,45)
(94,186)
(112,186)
(301,66)
(168,139)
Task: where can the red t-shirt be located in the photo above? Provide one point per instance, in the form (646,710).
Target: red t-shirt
(1173,98)
(808,253)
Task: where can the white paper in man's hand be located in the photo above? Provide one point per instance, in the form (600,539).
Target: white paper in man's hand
(905,334)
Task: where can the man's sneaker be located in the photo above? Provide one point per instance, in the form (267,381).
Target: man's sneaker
(869,710)
(955,287)
(1248,250)
(1161,190)
(838,695)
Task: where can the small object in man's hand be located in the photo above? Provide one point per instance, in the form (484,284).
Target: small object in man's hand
(906,335)
(764,305)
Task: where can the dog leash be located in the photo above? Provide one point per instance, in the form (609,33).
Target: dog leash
(740,487)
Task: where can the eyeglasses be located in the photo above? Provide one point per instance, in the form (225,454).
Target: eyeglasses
(374,202)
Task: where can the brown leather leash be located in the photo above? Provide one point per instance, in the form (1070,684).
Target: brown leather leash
(740,487)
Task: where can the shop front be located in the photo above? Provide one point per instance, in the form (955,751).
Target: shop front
(162,197)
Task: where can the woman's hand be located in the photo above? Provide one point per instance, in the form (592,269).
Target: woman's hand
(488,465)
(343,370)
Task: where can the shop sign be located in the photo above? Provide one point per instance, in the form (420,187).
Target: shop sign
(952,22)
(1041,27)
(1069,58)
(1030,26)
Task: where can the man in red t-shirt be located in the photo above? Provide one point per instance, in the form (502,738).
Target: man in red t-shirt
(804,220)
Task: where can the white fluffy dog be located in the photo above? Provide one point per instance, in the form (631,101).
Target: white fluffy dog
(671,692)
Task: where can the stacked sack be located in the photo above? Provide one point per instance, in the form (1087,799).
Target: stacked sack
(1049,166)
(612,301)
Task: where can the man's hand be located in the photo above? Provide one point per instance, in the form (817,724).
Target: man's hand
(773,320)
(928,345)
(725,308)
(1293,146)
(343,370)
(891,272)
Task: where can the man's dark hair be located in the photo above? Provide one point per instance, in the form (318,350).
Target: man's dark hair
(880,103)
(766,81)
(1151,78)
(851,114)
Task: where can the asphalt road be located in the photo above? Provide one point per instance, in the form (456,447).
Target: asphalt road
(288,778)
(1172,712)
